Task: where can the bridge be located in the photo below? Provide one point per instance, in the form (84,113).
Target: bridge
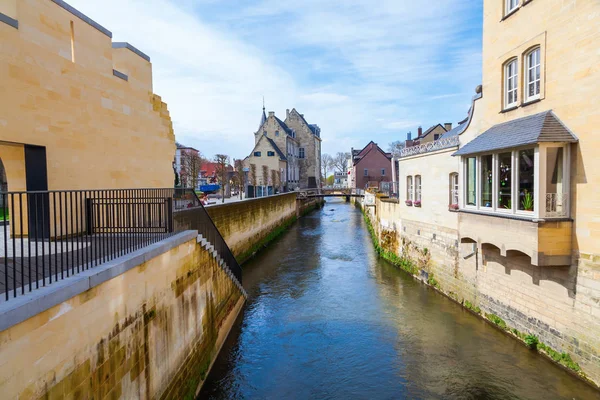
(322,193)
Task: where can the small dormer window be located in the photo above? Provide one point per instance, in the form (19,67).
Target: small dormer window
(257,154)
(270,153)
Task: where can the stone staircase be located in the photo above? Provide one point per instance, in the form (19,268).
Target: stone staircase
(211,249)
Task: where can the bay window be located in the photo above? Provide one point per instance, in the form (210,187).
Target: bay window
(528,182)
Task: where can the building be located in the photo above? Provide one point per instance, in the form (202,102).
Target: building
(186,163)
(81,113)
(430,135)
(505,203)
(291,148)
(369,167)
(340,180)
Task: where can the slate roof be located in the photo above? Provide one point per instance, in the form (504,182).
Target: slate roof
(284,126)
(263,119)
(454,131)
(279,152)
(537,128)
(428,131)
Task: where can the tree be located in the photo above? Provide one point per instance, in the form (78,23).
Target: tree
(330,180)
(253,178)
(221,171)
(326,164)
(396,147)
(275,179)
(340,162)
(191,165)
(239,175)
(265,176)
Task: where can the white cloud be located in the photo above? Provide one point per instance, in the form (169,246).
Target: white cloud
(359,69)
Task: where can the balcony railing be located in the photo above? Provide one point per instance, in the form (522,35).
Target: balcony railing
(556,205)
(440,144)
(48,236)
(389,189)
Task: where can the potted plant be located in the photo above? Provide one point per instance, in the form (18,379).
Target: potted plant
(417,203)
(527,202)
(453,207)
(409,203)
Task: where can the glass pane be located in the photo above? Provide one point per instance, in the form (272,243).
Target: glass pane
(471,181)
(486,181)
(555,190)
(526,180)
(505,181)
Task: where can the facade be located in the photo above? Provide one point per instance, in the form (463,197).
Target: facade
(370,166)
(291,147)
(430,135)
(267,154)
(80,105)
(179,164)
(340,180)
(309,148)
(501,210)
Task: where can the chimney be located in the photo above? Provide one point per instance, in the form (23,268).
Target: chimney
(287,113)
(448,126)
(420,131)
(271,113)
(409,136)
(302,115)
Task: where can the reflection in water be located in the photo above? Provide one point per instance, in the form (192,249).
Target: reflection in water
(327,319)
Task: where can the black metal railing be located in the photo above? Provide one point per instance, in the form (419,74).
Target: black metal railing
(199,219)
(50,235)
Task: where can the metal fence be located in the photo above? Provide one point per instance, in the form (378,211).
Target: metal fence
(50,235)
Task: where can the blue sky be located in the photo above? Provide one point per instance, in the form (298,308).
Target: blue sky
(361,69)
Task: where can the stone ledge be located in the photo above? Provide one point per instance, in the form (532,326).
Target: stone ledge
(9,21)
(126,45)
(23,307)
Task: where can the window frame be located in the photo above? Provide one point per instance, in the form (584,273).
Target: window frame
(506,105)
(270,154)
(526,70)
(409,188)
(366,172)
(418,184)
(257,154)
(507,6)
(301,152)
(454,189)
(465,197)
(382,171)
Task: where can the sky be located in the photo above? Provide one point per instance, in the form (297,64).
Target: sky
(360,69)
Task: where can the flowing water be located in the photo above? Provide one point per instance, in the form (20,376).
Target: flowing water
(327,319)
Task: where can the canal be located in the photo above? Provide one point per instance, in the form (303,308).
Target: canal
(327,319)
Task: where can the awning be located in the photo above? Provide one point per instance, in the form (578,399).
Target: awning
(537,128)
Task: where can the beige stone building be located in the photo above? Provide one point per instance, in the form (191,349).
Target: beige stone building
(292,147)
(503,209)
(77,109)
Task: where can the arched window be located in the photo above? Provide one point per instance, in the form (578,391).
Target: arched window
(453,193)
(409,188)
(511,82)
(532,75)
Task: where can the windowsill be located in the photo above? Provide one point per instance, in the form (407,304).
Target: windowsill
(514,216)
(510,13)
(530,102)
(509,109)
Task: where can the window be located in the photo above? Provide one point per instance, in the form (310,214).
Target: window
(556,192)
(511,5)
(301,154)
(471,199)
(453,198)
(511,76)
(526,184)
(505,181)
(532,77)
(418,188)
(382,171)
(366,172)
(72,42)
(409,188)
(486,181)
(436,136)
(276,133)
(257,154)
(270,153)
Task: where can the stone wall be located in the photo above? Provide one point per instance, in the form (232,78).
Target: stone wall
(560,305)
(247,225)
(148,325)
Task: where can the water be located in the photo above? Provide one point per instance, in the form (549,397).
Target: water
(327,319)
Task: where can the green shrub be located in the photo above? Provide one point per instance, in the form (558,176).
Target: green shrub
(497,320)
(532,341)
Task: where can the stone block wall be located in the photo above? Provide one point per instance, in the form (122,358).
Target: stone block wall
(150,332)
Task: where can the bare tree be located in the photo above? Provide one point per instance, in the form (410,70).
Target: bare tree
(265,176)
(191,165)
(326,164)
(274,180)
(221,171)
(239,175)
(396,147)
(253,178)
(340,162)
